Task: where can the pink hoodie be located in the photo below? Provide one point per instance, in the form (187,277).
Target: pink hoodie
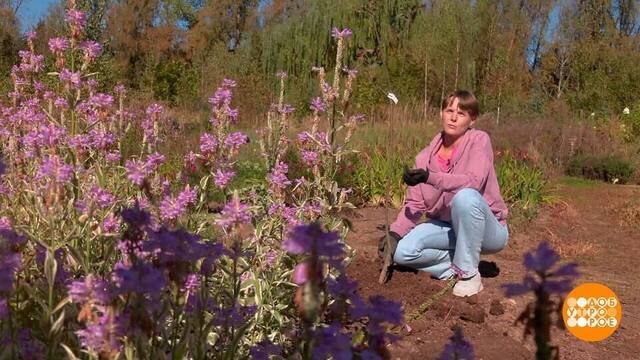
(471,167)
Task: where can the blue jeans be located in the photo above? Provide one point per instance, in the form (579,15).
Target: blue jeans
(444,249)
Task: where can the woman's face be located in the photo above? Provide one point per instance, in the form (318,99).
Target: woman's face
(455,121)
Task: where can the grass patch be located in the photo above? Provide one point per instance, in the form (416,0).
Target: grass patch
(578,182)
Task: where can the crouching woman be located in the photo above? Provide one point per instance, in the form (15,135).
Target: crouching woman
(454,184)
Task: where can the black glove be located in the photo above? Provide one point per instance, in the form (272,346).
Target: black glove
(382,243)
(414,177)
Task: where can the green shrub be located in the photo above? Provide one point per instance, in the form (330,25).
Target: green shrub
(630,124)
(375,177)
(610,168)
(522,183)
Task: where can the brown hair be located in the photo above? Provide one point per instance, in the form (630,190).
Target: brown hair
(466,101)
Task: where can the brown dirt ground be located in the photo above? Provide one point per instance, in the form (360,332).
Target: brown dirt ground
(585,224)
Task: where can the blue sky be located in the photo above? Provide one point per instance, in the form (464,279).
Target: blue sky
(32,11)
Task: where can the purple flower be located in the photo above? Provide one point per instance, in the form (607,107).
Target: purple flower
(191,284)
(378,312)
(281,74)
(188,196)
(301,274)
(222,96)
(264,349)
(541,262)
(111,224)
(120,90)
(318,105)
(208,144)
(357,118)
(9,264)
(235,140)
(458,348)
(101,139)
(4,309)
(312,239)
(286,109)
(61,103)
(31,35)
(55,169)
(270,258)
(221,178)
(136,217)
(229,83)
(101,100)
(542,259)
(278,177)
(91,84)
(233,316)
(136,171)
(190,160)
(76,19)
(290,213)
(58,45)
(90,290)
(234,213)
(102,197)
(113,157)
(103,336)
(140,278)
(91,49)
(330,342)
(341,34)
(245,276)
(81,143)
(350,72)
(72,78)
(343,287)
(12,240)
(305,138)
(153,161)
(171,208)
(171,248)
(154,109)
(51,135)
(28,347)
(5,224)
(232,114)
(309,157)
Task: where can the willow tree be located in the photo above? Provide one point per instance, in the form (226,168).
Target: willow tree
(9,36)
(301,39)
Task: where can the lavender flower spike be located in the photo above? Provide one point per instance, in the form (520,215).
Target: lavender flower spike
(458,349)
(341,34)
(306,238)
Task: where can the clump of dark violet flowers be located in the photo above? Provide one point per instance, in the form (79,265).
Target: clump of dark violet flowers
(458,347)
(548,283)
(327,300)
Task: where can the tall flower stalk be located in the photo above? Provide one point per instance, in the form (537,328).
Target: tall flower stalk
(548,283)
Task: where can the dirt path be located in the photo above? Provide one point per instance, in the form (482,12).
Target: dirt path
(583,225)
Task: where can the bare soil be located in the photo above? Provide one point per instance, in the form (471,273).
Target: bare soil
(585,224)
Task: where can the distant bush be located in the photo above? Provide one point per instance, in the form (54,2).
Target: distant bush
(522,183)
(630,124)
(610,168)
(375,177)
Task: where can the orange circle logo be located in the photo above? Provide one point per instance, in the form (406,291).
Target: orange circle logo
(592,312)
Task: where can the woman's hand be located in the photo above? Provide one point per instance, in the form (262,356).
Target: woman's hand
(414,177)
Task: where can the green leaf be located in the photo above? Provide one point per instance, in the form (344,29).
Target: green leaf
(70,353)
(50,268)
(58,324)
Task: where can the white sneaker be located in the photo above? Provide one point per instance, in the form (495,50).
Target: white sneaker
(468,287)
